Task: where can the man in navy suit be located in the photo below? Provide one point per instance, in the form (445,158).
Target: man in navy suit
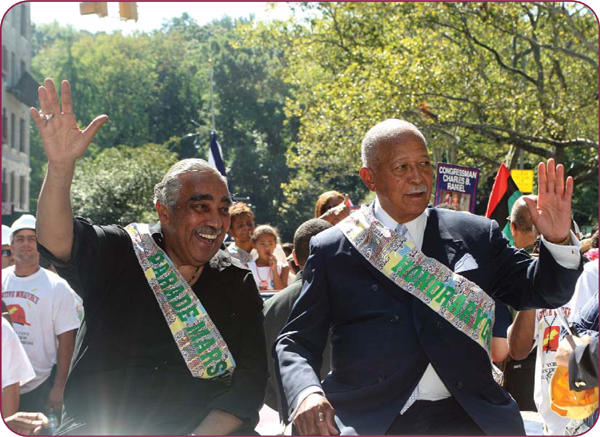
(399,367)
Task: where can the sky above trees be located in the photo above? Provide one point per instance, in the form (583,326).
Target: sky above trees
(152,15)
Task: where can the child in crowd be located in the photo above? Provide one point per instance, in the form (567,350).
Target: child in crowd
(268,273)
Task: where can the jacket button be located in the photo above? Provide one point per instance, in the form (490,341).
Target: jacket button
(439,325)
(375,287)
(459,385)
(381,378)
(233,315)
(395,319)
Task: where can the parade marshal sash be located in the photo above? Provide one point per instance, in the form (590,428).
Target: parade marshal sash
(461,302)
(203,348)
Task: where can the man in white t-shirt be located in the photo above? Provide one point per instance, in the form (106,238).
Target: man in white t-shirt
(540,328)
(16,369)
(43,311)
(7,258)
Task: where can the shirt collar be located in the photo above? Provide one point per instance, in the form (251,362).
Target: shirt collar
(416,227)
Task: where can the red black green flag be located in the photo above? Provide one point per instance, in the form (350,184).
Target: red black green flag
(504,194)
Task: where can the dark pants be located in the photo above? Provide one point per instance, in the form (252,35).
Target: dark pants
(519,379)
(445,417)
(35,400)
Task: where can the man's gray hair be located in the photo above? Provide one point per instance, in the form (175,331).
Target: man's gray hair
(388,132)
(520,217)
(167,190)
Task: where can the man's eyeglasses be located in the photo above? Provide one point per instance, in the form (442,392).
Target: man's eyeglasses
(6,252)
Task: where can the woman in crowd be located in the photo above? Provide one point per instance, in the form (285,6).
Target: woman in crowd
(242,227)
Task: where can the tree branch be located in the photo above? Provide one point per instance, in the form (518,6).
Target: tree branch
(581,178)
(445,96)
(580,36)
(565,50)
(578,142)
(500,61)
(497,56)
(488,131)
(555,48)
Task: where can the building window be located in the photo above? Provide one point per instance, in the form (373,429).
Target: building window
(23,193)
(22,135)
(13,188)
(13,69)
(5,62)
(4,126)
(12,130)
(24,20)
(4,186)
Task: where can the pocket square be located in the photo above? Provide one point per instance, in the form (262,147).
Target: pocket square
(466,263)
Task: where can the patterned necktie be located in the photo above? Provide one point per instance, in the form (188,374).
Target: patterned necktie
(401,230)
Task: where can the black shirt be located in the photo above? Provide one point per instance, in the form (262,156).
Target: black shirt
(131,377)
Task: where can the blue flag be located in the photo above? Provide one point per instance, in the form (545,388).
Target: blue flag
(215,154)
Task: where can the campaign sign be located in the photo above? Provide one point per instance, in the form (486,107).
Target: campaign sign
(456,187)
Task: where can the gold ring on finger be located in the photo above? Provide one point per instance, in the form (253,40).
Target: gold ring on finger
(321,417)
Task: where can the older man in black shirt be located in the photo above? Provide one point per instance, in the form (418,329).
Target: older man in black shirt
(175,342)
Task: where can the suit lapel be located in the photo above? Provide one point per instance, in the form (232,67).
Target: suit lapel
(438,242)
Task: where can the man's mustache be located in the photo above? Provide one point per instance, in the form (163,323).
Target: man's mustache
(418,189)
(210,230)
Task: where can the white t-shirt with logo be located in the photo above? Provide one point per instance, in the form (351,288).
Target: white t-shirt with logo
(41,306)
(16,367)
(547,336)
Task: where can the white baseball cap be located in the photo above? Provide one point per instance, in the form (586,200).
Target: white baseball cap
(5,235)
(26,221)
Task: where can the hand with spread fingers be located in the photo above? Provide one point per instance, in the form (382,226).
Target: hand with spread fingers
(552,215)
(27,423)
(337,213)
(315,416)
(63,141)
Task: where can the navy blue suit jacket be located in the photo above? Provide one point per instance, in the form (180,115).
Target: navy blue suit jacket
(383,338)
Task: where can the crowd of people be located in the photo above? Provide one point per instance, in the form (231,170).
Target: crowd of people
(395,317)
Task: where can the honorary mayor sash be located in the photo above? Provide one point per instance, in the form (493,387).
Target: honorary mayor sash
(203,348)
(461,302)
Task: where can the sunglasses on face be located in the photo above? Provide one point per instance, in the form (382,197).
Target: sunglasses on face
(6,252)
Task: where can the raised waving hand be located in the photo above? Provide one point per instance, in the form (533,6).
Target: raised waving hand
(552,215)
(63,141)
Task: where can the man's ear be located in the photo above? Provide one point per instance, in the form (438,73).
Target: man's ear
(295,258)
(513,229)
(367,177)
(164,214)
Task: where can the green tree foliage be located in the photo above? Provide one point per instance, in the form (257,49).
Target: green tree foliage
(146,83)
(482,80)
(155,88)
(251,116)
(486,82)
(249,95)
(117,186)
